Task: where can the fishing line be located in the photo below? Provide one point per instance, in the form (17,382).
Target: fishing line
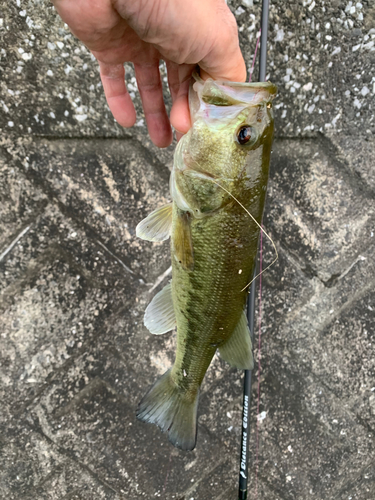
(261,229)
(168,470)
(255,55)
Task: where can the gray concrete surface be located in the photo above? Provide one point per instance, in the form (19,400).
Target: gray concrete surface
(75,357)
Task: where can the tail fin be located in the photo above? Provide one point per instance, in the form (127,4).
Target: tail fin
(173,411)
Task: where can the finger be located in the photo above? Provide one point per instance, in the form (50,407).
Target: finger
(179,135)
(234,70)
(225,60)
(151,91)
(118,99)
(173,79)
(180,115)
(174,86)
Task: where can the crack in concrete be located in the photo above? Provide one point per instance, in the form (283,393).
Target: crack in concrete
(208,472)
(160,278)
(115,257)
(346,488)
(36,178)
(14,242)
(36,427)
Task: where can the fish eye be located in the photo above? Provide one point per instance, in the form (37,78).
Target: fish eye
(244,134)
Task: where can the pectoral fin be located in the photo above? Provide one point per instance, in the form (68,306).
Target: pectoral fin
(237,350)
(156,226)
(160,316)
(182,241)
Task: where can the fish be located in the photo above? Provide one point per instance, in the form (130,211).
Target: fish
(218,187)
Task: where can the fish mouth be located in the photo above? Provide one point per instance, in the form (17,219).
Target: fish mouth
(233,92)
(216,100)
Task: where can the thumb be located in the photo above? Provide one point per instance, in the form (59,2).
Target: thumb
(224,60)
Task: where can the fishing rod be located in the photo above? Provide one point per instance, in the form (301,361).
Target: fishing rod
(244,452)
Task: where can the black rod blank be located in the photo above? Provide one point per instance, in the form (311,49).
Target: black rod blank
(263,41)
(244,454)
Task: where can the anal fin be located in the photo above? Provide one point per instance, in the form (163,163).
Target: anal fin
(237,350)
(157,225)
(160,316)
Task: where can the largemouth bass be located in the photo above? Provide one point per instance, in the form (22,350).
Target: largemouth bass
(219,177)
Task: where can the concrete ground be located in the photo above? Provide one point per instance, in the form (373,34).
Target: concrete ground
(75,358)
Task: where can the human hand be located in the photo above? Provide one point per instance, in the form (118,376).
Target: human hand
(181,33)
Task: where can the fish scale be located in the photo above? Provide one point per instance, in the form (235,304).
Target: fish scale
(217,288)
